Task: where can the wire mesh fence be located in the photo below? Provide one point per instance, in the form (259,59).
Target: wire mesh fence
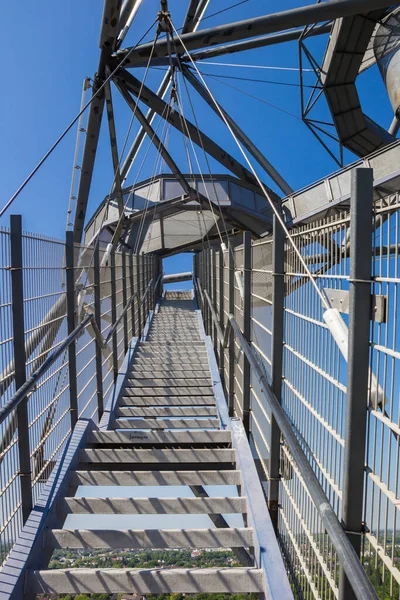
(113,294)
(314,388)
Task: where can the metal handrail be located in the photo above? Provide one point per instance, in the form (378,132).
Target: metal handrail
(348,557)
(30,383)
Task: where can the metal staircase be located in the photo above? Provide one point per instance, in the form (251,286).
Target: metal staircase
(167,425)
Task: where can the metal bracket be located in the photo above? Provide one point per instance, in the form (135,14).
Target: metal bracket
(340,299)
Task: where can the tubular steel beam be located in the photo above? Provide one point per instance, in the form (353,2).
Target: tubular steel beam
(358,362)
(17,299)
(278,295)
(108,33)
(114,147)
(156,140)
(191,23)
(250,28)
(240,134)
(187,128)
(259,42)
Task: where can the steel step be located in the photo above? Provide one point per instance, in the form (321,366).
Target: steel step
(167,374)
(130,478)
(77,539)
(165,411)
(156,456)
(146,581)
(169,381)
(148,401)
(160,437)
(158,506)
(165,423)
(168,391)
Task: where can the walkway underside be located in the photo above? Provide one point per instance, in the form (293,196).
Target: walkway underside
(168,427)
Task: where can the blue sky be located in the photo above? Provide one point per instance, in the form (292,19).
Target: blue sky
(53,46)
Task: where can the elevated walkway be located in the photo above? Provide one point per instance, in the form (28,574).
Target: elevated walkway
(168,426)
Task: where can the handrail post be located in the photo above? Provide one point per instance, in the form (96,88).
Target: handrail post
(144,275)
(221,276)
(214,294)
(71,324)
(246,326)
(231,345)
(139,291)
(358,362)
(114,314)
(124,300)
(278,295)
(97,318)
(132,289)
(25,475)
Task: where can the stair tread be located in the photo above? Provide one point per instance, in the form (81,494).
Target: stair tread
(88,505)
(157,455)
(155,437)
(147,581)
(132,478)
(189,423)
(166,411)
(150,538)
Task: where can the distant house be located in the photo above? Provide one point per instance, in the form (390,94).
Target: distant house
(195,553)
(133,597)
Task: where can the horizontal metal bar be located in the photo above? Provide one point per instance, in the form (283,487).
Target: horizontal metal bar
(30,384)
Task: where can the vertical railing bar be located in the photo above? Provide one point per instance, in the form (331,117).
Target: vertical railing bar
(221,313)
(231,346)
(358,362)
(138,286)
(124,300)
(278,295)
(97,317)
(71,324)
(17,299)
(114,314)
(132,283)
(214,295)
(246,326)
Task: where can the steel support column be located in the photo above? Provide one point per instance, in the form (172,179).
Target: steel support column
(221,307)
(114,313)
(358,362)
(17,299)
(214,294)
(139,287)
(278,295)
(71,324)
(231,345)
(246,326)
(132,289)
(97,317)
(124,301)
